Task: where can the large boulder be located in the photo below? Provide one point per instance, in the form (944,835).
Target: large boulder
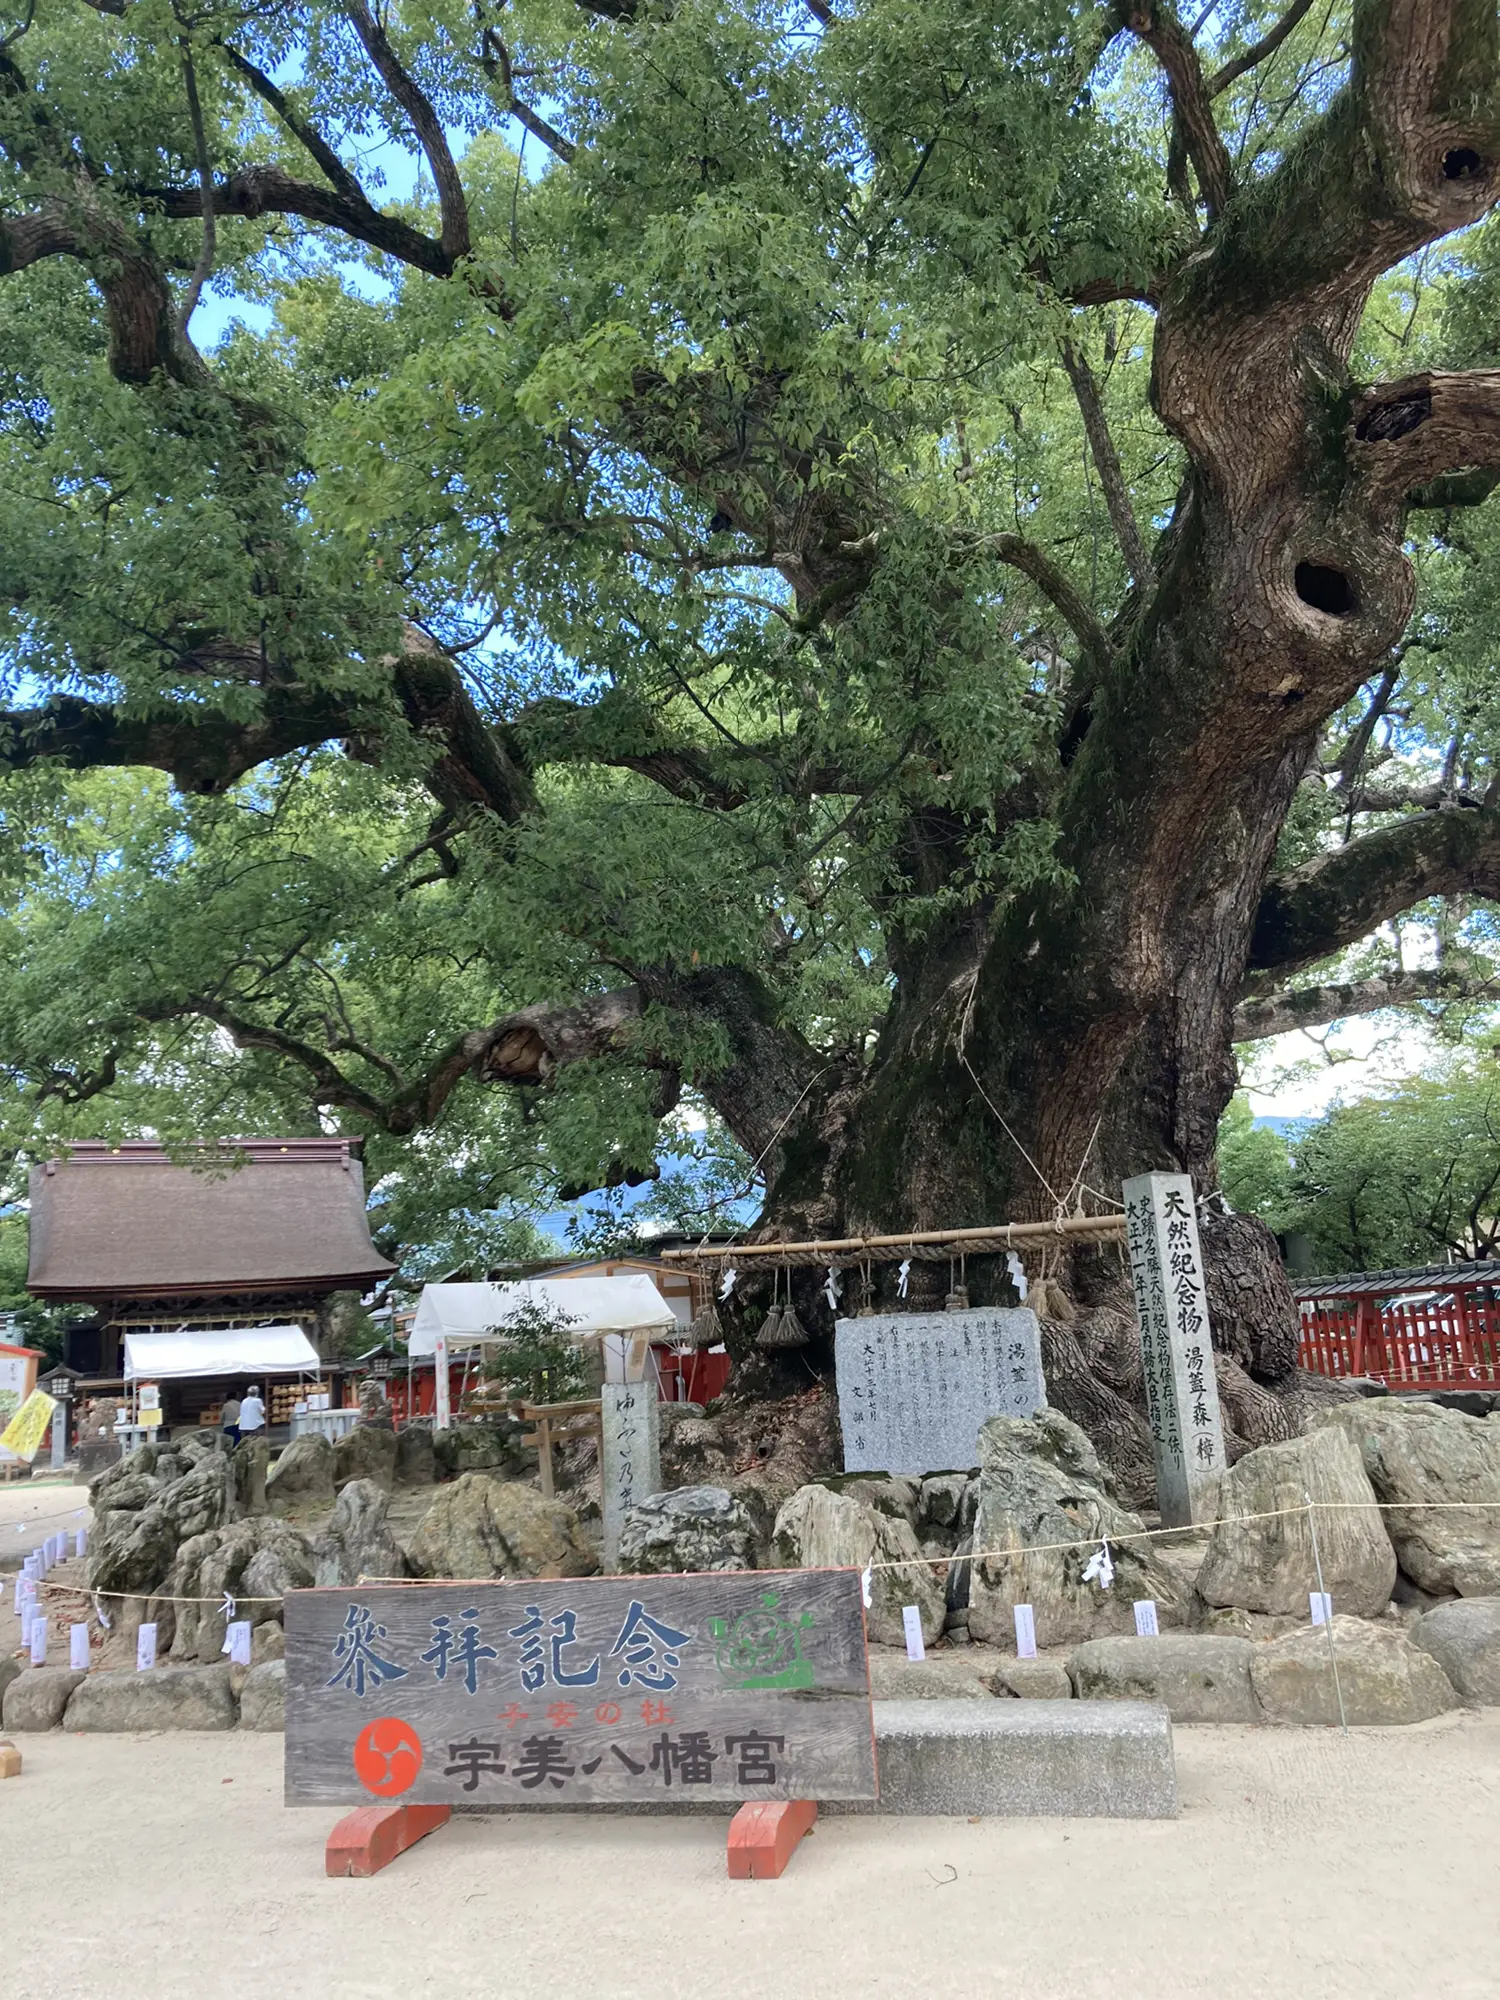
(483,1527)
(195,1446)
(270,1573)
(222,1574)
(1464,1638)
(368,1452)
(820,1529)
(949,1503)
(203,1498)
(251,1465)
(1260,1555)
(1382,1676)
(304,1472)
(1043,1505)
(128,1494)
(134,1555)
(479,1448)
(897,1495)
(164,1698)
(416,1462)
(694,1528)
(1416,1453)
(37,1698)
(358,1541)
(1032,1680)
(10,1668)
(1196,1677)
(263,1697)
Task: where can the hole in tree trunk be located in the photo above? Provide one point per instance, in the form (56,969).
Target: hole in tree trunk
(1326,590)
(1462,164)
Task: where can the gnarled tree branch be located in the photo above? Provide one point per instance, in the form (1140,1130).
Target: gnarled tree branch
(1339,898)
(1317,1006)
(1406,434)
(1157,25)
(452,204)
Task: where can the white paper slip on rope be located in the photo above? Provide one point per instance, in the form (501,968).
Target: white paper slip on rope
(911,1618)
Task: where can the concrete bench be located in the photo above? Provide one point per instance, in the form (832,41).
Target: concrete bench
(1001,1759)
(1062,1759)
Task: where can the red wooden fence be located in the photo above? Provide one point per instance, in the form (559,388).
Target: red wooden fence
(1453,1339)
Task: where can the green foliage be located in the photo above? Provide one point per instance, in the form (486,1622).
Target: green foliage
(1383,1182)
(534,1357)
(850,252)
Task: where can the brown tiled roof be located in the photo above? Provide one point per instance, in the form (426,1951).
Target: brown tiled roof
(125,1222)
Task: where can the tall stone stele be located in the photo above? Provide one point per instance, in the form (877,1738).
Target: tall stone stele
(1182,1390)
(630,1462)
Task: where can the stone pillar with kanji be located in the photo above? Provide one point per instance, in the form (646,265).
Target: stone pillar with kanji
(1182,1391)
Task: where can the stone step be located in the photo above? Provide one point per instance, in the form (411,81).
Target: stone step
(1023,1759)
(1001,1759)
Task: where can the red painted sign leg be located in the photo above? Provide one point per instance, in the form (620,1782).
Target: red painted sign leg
(763,1838)
(370,1839)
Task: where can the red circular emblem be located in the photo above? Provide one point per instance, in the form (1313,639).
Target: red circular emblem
(387,1756)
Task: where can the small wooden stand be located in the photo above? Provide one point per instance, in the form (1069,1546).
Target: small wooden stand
(371,1838)
(559,1423)
(763,1838)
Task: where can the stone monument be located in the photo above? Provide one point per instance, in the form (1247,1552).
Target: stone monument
(1182,1391)
(914,1388)
(630,1455)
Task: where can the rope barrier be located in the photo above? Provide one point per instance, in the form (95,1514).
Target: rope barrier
(929,1246)
(903,1562)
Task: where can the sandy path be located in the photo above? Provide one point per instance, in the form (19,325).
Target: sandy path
(1304,1864)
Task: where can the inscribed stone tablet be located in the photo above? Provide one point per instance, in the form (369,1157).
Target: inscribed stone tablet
(731,1686)
(630,1464)
(915,1388)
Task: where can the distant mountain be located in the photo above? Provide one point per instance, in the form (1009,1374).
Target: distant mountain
(1286,1128)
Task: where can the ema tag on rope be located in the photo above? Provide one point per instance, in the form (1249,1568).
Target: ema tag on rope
(911,1618)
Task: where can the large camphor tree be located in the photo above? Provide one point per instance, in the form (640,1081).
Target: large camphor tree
(912,573)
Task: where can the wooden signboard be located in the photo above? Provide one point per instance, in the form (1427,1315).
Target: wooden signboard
(742,1686)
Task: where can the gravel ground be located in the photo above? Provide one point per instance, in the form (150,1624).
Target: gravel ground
(1304,1863)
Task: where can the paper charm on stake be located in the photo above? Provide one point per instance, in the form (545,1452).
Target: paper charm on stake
(1100,1566)
(903,1276)
(726,1283)
(833,1284)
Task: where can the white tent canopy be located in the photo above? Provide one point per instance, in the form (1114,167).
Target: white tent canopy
(228,1350)
(463,1314)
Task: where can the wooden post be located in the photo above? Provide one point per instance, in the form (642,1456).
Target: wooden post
(544,1454)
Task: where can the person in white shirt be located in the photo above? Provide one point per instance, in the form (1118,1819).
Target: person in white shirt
(252,1412)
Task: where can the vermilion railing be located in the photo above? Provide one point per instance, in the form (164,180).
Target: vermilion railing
(1453,1340)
